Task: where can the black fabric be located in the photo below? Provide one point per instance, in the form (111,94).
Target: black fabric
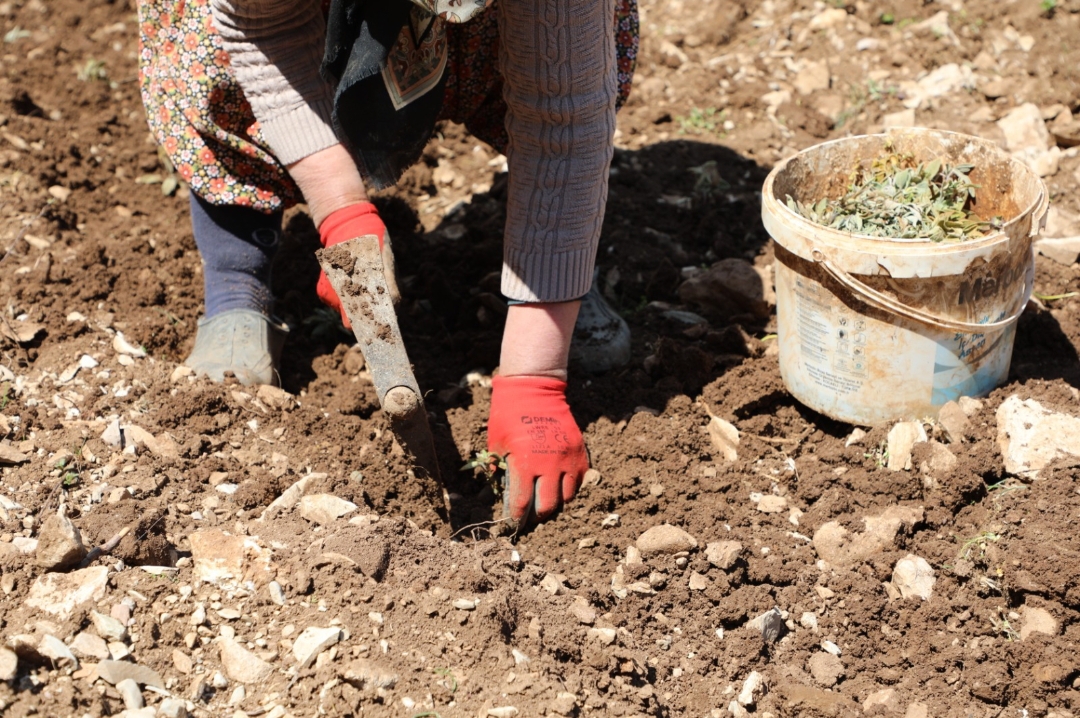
(384,141)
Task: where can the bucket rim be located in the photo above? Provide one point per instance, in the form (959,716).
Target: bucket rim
(883,245)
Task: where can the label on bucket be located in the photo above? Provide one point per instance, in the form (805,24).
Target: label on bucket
(832,339)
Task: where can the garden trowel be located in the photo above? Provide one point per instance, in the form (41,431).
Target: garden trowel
(355,270)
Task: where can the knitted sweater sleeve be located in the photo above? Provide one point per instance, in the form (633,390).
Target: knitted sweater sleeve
(275,48)
(557,59)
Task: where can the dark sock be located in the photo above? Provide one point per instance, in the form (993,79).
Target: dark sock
(237,245)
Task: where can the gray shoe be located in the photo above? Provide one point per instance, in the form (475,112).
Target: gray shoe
(601,338)
(241,341)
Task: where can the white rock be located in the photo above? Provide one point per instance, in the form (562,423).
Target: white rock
(1025,129)
(1031,436)
(198,615)
(238,696)
(324,509)
(130,693)
(123,346)
(697,582)
(241,664)
(724,437)
(56,651)
(809,620)
(313,641)
(723,554)
(884,698)
(108,627)
(113,672)
(112,434)
(9,664)
(605,636)
(942,81)
(913,577)
(87,645)
(750,686)
(503,712)
(902,437)
(553,584)
(770,625)
(1038,620)
(172,708)
(118,650)
(464,604)
(831,17)
(665,538)
(59,544)
(826,669)
(839,547)
(277,593)
(225,560)
(59,593)
(830,647)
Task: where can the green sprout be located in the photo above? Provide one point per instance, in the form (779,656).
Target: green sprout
(93,70)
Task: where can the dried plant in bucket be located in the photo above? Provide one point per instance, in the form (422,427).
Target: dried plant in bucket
(899,198)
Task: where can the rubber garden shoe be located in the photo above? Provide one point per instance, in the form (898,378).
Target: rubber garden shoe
(242,341)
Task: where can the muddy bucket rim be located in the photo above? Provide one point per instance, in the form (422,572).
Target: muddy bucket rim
(1036,209)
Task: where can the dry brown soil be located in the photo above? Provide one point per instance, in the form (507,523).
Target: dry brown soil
(115,255)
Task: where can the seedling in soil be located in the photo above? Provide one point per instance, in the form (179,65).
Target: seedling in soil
(93,70)
(979,541)
(1002,626)
(700,121)
(709,182)
(1048,7)
(1054,297)
(448,680)
(490,465)
(898,198)
(880,455)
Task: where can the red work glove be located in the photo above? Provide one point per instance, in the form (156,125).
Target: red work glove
(531,427)
(356,220)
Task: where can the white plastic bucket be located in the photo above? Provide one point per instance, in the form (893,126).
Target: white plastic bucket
(877,330)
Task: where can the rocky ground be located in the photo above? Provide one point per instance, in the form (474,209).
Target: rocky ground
(733,553)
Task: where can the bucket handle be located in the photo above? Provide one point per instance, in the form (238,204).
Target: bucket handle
(882,301)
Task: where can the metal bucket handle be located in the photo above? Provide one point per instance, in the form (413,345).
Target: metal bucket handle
(882,301)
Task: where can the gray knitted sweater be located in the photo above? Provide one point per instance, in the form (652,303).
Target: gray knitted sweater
(557,58)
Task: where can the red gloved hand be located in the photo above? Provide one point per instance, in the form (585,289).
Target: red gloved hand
(531,427)
(356,220)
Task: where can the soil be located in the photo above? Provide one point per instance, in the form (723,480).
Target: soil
(567,618)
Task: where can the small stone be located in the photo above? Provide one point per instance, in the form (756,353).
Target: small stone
(917,710)
(885,698)
(503,712)
(1025,129)
(750,686)
(130,693)
(665,538)
(229,614)
(583,611)
(363,673)
(1030,436)
(954,421)
(59,593)
(698,582)
(902,118)
(9,664)
(830,647)
(182,662)
(587,542)
(324,509)
(313,641)
(828,18)
(172,708)
(633,556)
(87,645)
(60,545)
(809,621)
(219,681)
(902,437)
(198,616)
(1063,250)
(464,604)
(826,669)
(565,704)
(108,627)
(112,672)
(277,593)
(553,584)
(724,437)
(241,664)
(771,504)
(56,651)
(238,696)
(814,77)
(824,593)
(610,521)
(770,624)
(1038,620)
(606,636)
(913,577)
(723,554)
(118,650)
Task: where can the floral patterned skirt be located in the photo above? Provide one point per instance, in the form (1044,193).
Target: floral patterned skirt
(199,115)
